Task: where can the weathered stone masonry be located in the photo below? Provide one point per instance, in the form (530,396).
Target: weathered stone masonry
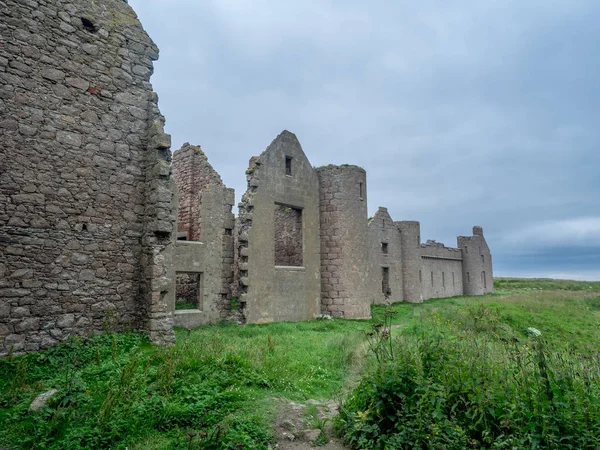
(345,283)
(86,205)
(94,227)
(361,261)
(205,244)
(280,176)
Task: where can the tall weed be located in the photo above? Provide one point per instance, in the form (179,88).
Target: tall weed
(472,390)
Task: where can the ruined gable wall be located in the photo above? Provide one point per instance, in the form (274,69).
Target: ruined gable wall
(192,174)
(85,196)
(477,263)
(205,205)
(347,290)
(441,271)
(269,292)
(382,230)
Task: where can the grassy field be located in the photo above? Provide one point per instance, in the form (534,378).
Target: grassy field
(216,387)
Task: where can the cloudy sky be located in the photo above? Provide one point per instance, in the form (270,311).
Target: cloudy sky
(463,113)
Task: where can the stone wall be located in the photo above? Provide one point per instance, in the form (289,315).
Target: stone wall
(192,174)
(346,287)
(205,203)
(188,289)
(280,176)
(441,271)
(86,211)
(477,263)
(88,206)
(288,236)
(386,250)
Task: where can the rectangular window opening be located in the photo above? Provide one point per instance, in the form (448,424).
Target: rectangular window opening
(228,232)
(360,191)
(384,248)
(453,282)
(484,280)
(468,278)
(443,279)
(288,165)
(385,282)
(431,279)
(189,290)
(482,258)
(288,236)
(420,277)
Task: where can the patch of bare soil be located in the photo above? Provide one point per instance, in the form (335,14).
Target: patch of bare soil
(307,425)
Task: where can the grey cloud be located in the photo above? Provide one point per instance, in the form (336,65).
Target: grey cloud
(463,112)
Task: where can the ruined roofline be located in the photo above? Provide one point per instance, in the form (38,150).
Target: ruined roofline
(431,243)
(340,166)
(255,160)
(477,231)
(204,160)
(440,247)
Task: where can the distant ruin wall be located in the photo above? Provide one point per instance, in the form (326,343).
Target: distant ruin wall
(477,263)
(440,271)
(86,211)
(386,257)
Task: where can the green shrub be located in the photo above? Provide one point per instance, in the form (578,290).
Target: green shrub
(443,391)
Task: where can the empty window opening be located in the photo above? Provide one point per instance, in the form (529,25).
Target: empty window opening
(431,279)
(189,290)
(419,240)
(384,248)
(443,279)
(468,278)
(385,282)
(453,282)
(482,258)
(228,232)
(360,193)
(288,236)
(182,235)
(420,277)
(88,25)
(484,281)
(288,165)
(466,249)
(84,227)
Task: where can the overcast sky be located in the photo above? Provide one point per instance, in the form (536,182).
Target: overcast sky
(463,113)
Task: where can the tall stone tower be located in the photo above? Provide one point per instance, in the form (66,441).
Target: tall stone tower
(345,260)
(410,237)
(477,263)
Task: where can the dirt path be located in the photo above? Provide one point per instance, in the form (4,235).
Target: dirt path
(307,425)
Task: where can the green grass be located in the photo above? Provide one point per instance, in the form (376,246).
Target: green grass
(465,372)
(544,284)
(179,305)
(216,387)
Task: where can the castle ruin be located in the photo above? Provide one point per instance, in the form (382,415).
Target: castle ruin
(100,222)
